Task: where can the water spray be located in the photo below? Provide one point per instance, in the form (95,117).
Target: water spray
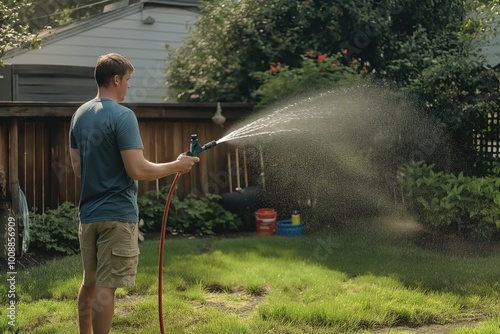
(363,132)
(194,149)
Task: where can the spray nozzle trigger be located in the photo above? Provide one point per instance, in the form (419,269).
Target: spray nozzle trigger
(195,148)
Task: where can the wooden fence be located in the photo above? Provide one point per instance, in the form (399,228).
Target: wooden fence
(34,149)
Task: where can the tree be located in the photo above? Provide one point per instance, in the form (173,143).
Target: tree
(13,33)
(235,39)
(445,74)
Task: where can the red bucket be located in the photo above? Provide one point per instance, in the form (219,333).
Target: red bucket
(265,220)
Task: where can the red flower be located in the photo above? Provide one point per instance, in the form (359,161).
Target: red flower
(321,58)
(365,69)
(310,53)
(273,70)
(344,51)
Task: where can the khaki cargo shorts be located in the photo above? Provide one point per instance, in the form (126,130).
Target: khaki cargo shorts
(110,253)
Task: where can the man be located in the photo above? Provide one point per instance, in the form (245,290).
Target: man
(107,154)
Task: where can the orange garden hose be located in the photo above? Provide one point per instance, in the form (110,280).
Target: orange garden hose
(194,150)
(162,246)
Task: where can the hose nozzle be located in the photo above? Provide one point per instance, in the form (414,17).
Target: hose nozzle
(209,145)
(195,148)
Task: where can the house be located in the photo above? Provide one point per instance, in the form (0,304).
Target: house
(487,44)
(41,89)
(62,69)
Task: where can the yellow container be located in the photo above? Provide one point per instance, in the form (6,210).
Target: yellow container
(295,218)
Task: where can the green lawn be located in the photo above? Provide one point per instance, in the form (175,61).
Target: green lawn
(327,283)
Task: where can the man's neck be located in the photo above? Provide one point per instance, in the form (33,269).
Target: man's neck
(103,93)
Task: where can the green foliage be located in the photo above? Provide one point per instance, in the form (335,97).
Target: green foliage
(468,205)
(55,231)
(202,216)
(460,95)
(233,39)
(315,72)
(445,74)
(151,208)
(13,33)
(192,215)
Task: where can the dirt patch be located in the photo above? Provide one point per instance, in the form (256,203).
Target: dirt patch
(428,329)
(238,302)
(126,304)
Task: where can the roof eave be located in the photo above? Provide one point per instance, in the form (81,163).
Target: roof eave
(73,28)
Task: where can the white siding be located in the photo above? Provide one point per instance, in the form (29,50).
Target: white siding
(489,45)
(491,49)
(144,45)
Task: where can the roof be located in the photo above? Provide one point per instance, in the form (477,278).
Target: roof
(52,35)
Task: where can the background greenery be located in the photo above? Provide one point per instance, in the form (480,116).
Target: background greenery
(469,206)
(55,232)
(14,32)
(191,215)
(252,51)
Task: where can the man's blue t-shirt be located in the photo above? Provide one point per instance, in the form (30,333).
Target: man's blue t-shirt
(100,129)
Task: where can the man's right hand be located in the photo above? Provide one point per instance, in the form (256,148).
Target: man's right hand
(185,163)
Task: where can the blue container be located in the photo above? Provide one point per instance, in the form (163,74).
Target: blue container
(285,228)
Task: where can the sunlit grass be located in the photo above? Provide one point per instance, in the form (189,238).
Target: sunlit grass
(489,326)
(343,283)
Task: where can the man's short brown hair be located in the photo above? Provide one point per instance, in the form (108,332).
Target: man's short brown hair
(108,66)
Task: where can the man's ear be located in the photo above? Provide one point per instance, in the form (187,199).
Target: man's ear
(116,79)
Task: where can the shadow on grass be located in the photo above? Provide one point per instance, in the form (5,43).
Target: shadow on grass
(413,256)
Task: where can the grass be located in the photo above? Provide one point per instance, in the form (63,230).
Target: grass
(338,283)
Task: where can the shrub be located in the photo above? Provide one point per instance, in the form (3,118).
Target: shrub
(55,231)
(449,79)
(317,71)
(193,215)
(467,205)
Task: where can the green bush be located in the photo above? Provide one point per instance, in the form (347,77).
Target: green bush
(467,205)
(192,215)
(55,231)
(317,71)
(447,77)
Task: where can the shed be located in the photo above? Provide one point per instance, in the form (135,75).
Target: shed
(62,70)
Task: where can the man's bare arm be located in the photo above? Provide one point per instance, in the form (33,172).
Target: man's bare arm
(138,168)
